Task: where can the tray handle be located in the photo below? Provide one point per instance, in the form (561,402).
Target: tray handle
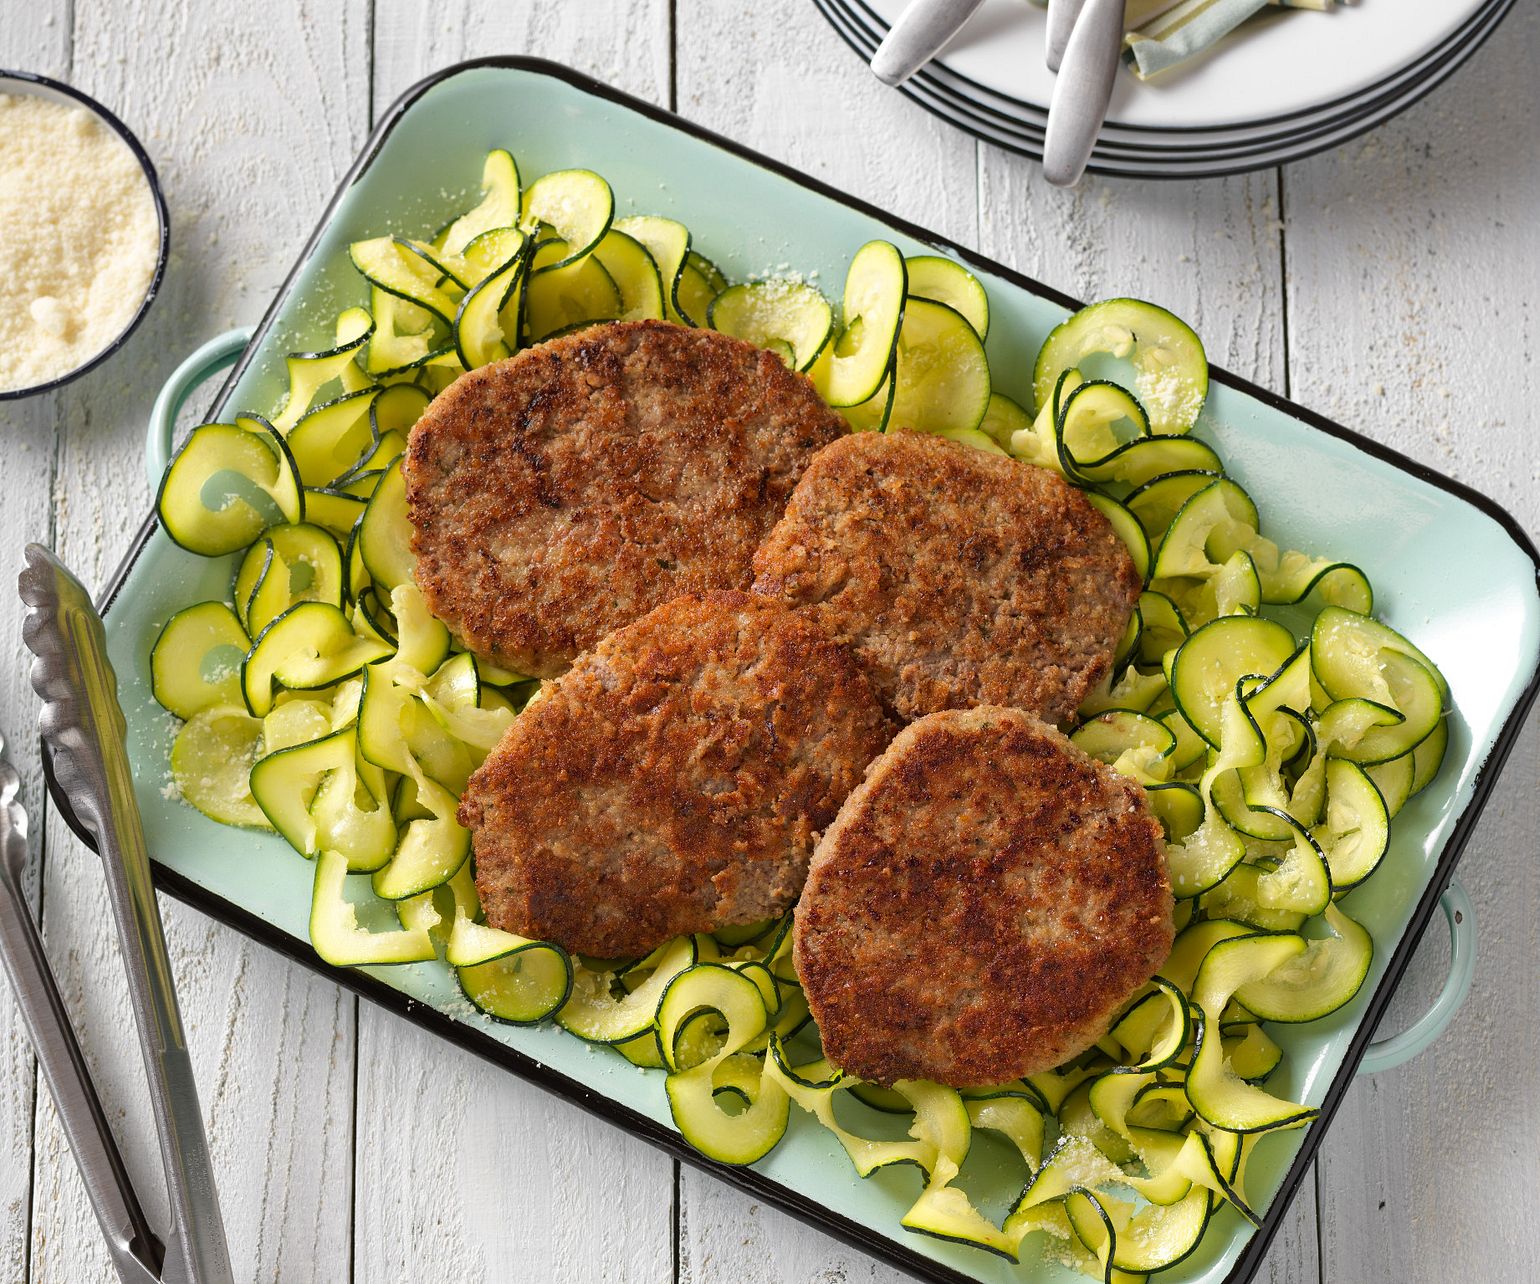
(1386,1054)
(215,355)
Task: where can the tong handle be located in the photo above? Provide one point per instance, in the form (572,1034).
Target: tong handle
(82,725)
(134,1250)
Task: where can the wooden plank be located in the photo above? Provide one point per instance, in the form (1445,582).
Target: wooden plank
(1412,280)
(468,1172)
(1208,251)
(623,42)
(775,77)
(35,38)
(245,167)
(486,1176)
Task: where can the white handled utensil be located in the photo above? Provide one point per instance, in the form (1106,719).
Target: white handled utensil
(1082,91)
(918,35)
(1061,21)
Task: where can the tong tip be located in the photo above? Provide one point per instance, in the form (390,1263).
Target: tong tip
(71,675)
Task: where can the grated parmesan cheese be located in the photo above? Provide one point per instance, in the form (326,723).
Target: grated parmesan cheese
(79,238)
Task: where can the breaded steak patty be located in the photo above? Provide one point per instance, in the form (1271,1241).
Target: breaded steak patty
(674,779)
(958,577)
(569,489)
(986,902)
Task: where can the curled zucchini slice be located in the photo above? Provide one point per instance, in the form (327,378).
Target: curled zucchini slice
(1015,1115)
(1003,419)
(568,296)
(1356,832)
(403,338)
(510,978)
(635,275)
(668,242)
(1155,1030)
(945,1212)
(1170,368)
(309,372)
(1215,522)
(1206,668)
(1428,757)
(730,1108)
(1216,1092)
(340,939)
(1355,657)
(211,762)
(318,795)
(946,281)
(593,1011)
(1157,502)
(577,203)
(196,661)
(1108,736)
(397,267)
(791,319)
(292,563)
(392,415)
(432,848)
(499,205)
(479,332)
(1318,981)
(874,414)
(309,646)
(718,988)
(1127,529)
(942,374)
(226,485)
(698,282)
(332,439)
(876,285)
(385,533)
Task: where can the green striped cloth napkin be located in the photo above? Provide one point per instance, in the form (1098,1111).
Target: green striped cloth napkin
(1163,34)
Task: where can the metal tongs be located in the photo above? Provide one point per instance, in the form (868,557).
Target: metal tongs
(83,729)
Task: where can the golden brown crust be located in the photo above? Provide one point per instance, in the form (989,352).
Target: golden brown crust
(569,489)
(673,780)
(957,576)
(985,903)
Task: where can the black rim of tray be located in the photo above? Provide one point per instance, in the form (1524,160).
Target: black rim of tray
(748,1180)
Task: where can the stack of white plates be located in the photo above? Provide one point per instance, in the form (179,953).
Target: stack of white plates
(1287,84)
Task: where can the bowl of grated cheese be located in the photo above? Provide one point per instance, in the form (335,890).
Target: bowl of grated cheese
(85,233)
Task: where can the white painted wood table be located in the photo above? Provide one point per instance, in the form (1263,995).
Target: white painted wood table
(1390,284)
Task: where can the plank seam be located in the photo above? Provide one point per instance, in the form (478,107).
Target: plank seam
(1283,309)
(673,68)
(369,29)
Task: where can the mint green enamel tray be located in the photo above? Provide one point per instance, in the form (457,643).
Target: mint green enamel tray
(1451,569)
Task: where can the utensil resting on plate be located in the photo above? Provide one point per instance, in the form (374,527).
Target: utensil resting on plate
(921,32)
(82,729)
(1082,91)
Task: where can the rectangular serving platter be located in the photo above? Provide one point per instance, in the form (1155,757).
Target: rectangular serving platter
(1450,567)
